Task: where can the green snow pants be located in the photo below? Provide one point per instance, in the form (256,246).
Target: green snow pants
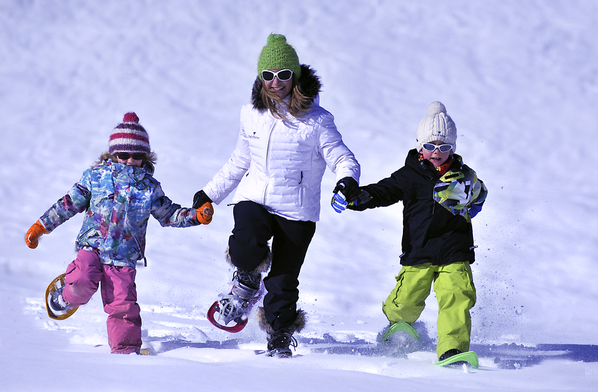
(456,295)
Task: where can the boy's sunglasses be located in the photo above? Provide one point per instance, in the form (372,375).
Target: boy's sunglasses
(125,156)
(283,75)
(442,148)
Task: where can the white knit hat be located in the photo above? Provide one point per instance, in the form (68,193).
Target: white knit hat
(436,126)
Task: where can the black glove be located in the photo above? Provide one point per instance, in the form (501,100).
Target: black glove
(348,187)
(200,199)
(360,203)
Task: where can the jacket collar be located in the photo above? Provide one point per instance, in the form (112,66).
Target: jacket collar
(134,172)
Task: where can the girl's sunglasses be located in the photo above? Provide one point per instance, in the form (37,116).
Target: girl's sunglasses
(442,148)
(125,156)
(283,75)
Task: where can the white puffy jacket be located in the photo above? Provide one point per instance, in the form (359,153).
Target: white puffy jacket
(280,164)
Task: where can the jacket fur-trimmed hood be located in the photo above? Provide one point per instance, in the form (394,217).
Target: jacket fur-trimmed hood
(309,83)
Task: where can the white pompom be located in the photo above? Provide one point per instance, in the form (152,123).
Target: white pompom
(436,107)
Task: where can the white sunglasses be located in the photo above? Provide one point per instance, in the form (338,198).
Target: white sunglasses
(442,147)
(283,75)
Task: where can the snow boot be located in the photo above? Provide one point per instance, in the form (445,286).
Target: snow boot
(281,341)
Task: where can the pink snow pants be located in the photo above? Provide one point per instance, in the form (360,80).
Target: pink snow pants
(119,296)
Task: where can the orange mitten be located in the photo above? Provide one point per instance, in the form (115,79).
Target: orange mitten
(33,234)
(205,213)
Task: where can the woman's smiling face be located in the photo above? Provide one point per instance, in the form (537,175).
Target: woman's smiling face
(280,88)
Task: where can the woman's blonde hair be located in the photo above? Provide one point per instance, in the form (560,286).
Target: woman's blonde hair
(297,106)
(148,163)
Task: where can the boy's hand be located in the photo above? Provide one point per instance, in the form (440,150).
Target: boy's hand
(33,234)
(359,204)
(205,213)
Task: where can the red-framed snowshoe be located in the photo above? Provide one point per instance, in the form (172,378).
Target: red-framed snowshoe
(234,307)
(240,322)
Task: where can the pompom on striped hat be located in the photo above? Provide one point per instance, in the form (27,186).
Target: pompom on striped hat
(129,136)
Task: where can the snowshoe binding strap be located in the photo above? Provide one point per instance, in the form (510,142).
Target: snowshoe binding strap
(401,326)
(237,327)
(467,358)
(60,310)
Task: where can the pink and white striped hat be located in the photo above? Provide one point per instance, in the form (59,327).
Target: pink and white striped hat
(129,136)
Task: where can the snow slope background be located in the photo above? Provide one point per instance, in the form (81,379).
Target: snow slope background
(519,78)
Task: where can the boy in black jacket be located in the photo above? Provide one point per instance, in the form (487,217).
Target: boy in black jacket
(440,196)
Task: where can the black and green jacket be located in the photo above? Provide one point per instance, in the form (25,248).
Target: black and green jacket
(437,209)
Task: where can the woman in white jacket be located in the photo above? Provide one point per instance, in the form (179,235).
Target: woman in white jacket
(285,143)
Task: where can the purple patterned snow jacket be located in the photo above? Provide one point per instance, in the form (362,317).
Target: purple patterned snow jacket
(117,201)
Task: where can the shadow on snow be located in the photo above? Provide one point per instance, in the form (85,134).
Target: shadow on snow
(505,356)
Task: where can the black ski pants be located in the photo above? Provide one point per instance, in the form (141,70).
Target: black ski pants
(248,248)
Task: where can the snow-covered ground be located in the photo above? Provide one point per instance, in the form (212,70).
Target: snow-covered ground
(520,79)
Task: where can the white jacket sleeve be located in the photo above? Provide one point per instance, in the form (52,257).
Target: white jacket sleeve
(227,179)
(339,159)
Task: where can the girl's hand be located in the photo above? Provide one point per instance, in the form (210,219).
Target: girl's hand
(205,213)
(33,234)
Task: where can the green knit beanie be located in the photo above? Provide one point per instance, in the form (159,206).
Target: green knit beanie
(277,54)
